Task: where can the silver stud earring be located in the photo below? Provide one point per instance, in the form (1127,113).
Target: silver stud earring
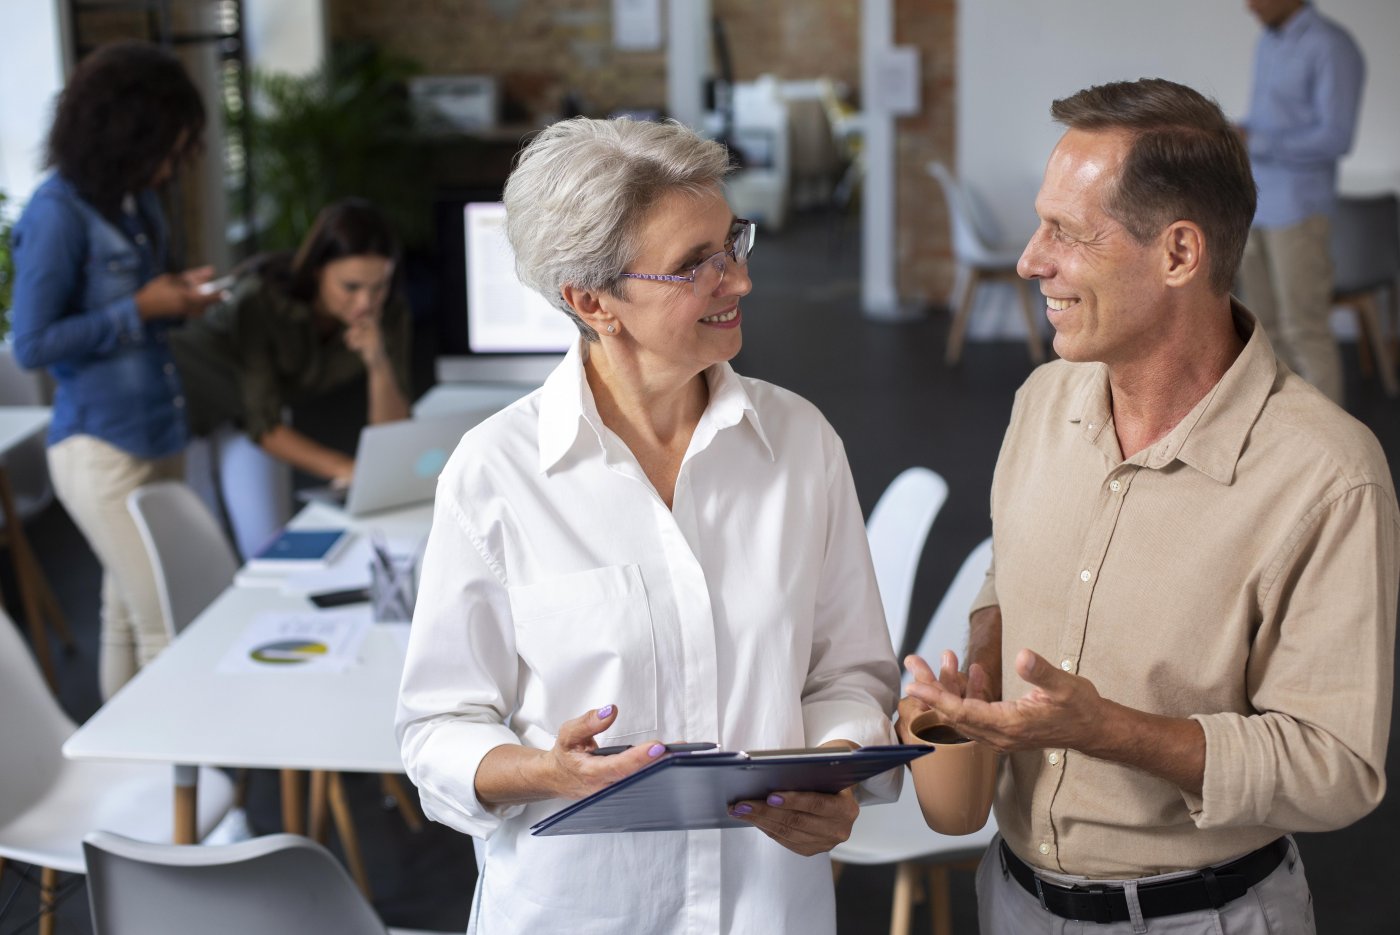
(612,328)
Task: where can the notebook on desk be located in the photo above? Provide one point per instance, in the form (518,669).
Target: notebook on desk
(397,463)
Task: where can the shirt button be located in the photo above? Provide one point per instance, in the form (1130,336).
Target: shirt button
(1054,759)
(141,238)
(1085,575)
(1067,664)
(179,402)
(114,265)
(1115,486)
(1044,848)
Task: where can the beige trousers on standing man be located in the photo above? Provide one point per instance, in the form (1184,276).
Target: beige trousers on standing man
(1286,275)
(92,480)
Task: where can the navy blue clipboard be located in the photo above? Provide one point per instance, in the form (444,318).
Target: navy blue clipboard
(693,791)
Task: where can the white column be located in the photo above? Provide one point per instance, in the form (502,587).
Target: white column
(879,295)
(687,60)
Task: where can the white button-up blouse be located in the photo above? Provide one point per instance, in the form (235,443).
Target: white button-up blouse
(556,581)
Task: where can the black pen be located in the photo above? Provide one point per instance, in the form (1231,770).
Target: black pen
(670,748)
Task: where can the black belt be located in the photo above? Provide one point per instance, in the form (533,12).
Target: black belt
(1206,889)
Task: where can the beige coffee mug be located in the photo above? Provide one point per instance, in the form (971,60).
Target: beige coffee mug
(956,783)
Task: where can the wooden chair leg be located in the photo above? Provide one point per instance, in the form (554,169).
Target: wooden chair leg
(293,808)
(1034,344)
(392,786)
(958,332)
(905,883)
(48,900)
(345,830)
(316,829)
(19,555)
(940,903)
(1370,319)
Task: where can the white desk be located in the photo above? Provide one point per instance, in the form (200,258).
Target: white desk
(19,424)
(179,709)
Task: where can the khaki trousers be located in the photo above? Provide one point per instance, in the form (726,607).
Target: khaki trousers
(92,480)
(1286,277)
(1280,904)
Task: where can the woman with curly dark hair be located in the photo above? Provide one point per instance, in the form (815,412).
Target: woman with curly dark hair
(93,303)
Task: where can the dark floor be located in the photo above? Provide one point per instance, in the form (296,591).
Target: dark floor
(887,392)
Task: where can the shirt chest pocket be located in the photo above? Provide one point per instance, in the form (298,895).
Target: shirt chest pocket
(111,274)
(586,639)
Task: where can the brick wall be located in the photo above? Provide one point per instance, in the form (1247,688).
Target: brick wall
(925,247)
(540,50)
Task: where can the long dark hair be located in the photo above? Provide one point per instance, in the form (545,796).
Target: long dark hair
(119,118)
(349,227)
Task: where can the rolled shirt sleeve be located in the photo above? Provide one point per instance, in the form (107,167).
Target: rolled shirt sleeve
(1320,678)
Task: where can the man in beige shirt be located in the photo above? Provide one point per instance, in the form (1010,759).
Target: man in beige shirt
(1185,645)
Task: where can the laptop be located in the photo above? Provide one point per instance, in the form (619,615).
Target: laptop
(397,463)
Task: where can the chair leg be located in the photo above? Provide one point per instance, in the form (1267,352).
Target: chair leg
(393,788)
(345,829)
(316,828)
(940,904)
(293,808)
(48,900)
(902,912)
(19,556)
(1033,342)
(958,331)
(1370,319)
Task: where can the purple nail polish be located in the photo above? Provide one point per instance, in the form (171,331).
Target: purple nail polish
(656,749)
(741,810)
(775,799)
(605,712)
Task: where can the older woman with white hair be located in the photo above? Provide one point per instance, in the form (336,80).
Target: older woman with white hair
(648,548)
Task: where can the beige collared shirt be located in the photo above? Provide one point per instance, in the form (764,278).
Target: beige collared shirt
(1241,571)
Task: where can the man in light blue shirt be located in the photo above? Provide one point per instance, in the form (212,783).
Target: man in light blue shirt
(1308,74)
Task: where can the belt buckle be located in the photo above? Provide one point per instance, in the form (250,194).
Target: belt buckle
(1040,891)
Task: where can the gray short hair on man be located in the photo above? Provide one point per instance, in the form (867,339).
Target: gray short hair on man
(575,201)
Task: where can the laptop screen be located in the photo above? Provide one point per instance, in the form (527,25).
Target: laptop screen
(503,315)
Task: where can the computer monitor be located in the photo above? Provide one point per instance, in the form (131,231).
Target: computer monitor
(503,315)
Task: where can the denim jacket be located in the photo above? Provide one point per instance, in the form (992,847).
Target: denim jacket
(76,278)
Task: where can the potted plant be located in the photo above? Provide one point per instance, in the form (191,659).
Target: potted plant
(343,130)
(7,268)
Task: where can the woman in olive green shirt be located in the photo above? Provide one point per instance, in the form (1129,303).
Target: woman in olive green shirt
(296,327)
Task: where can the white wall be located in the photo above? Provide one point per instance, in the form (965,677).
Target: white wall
(31,74)
(1016,56)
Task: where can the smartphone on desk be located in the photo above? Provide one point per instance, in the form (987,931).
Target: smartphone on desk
(326,599)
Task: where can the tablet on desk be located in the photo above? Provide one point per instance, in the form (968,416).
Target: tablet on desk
(690,791)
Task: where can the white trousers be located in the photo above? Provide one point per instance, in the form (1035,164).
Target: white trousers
(92,480)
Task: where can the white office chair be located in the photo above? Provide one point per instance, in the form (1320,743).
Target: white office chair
(47,803)
(193,563)
(896,833)
(897,529)
(192,560)
(981,256)
(279,884)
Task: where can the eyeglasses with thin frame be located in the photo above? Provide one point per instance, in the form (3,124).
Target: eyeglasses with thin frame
(708,274)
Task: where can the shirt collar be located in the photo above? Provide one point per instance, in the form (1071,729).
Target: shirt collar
(567,406)
(1212,435)
(1297,23)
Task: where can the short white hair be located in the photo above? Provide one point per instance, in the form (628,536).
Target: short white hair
(579,190)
